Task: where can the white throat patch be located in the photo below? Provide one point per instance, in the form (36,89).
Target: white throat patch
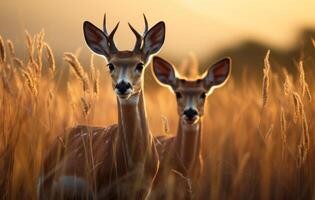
(133,100)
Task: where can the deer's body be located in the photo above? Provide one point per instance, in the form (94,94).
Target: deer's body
(182,152)
(120,161)
(135,166)
(180,165)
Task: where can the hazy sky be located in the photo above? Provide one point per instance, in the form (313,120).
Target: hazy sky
(200,26)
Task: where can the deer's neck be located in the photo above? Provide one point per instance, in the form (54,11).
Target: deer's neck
(134,137)
(188,143)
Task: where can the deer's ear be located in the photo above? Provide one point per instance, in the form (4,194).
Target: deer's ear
(96,39)
(154,39)
(218,73)
(164,71)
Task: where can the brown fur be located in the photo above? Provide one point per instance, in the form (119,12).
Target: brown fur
(120,162)
(183,151)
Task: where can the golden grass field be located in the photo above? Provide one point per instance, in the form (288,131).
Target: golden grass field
(258,137)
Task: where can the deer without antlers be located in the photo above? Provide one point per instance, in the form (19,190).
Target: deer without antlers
(183,151)
(123,156)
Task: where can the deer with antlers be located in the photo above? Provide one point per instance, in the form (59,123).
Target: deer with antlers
(183,151)
(119,161)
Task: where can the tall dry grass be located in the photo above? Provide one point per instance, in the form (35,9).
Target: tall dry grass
(258,138)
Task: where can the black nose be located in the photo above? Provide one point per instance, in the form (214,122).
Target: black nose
(122,87)
(190,113)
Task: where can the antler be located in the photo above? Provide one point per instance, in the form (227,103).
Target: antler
(110,36)
(146,26)
(139,37)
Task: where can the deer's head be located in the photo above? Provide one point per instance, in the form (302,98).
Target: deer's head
(125,67)
(191,94)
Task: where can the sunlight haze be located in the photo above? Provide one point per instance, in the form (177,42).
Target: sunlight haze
(199,26)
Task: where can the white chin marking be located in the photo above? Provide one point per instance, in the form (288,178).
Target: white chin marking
(190,123)
(132,100)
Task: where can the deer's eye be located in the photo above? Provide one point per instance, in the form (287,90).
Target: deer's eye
(111,67)
(178,95)
(139,67)
(203,95)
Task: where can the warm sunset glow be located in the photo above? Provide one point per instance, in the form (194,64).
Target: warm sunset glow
(201,26)
(214,102)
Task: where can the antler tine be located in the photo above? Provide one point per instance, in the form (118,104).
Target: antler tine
(110,36)
(138,37)
(104,25)
(111,39)
(146,26)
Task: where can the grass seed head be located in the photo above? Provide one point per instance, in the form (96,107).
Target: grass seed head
(266,83)
(78,69)
(50,57)
(11,48)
